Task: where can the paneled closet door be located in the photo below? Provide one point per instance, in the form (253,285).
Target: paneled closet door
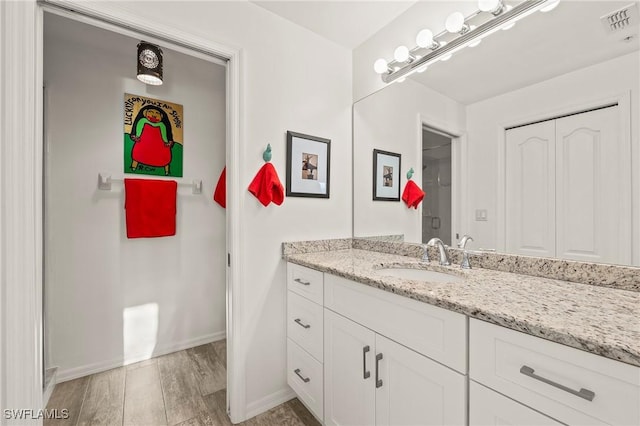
(349,372)
(530,190)
(593,217)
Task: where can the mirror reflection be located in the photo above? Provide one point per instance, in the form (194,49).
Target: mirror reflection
(527,142)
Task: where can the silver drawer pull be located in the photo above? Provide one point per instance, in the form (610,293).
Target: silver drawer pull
(582,393)
(299,281)
(299,322)
(304,379)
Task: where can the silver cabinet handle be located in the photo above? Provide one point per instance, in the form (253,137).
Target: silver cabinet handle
(378,380)
(582,393)
(299,322)
(299,281)
(304,379)
(365,374)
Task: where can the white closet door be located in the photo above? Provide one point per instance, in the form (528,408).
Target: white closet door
(593,180)
(530,190)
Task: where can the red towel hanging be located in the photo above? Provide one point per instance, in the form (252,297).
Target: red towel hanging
(220,194)
(150,207)
(412,194)
(266,186)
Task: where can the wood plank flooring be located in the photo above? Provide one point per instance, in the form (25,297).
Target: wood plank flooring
(185,388)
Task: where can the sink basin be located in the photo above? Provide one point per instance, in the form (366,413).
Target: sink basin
(420,275)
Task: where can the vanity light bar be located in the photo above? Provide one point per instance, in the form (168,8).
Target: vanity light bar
(527,7)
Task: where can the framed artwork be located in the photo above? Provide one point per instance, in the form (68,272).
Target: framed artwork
(153,136)
(386,176)
(308,165)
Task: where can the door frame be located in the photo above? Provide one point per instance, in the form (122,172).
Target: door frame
(459,150)
(623,100)
(21,188)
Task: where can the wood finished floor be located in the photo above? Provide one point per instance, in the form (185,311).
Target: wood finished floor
(186,388)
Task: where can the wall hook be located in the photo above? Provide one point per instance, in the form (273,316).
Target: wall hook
(266,155)
(410,173)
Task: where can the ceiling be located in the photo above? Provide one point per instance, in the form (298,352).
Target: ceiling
(347,23)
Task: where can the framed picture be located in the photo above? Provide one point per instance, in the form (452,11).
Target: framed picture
(386,176)
(308,161)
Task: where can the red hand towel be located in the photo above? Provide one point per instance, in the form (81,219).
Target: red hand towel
(412,194)
(220,194)
(266,186)
(150,207)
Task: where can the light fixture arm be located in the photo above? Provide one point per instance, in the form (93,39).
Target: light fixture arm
(517,12)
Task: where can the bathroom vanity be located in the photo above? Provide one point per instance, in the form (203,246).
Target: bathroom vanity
(374,349)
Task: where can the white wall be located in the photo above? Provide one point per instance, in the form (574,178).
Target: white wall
(390,120)
(292,79)
(486,119)
(94,273)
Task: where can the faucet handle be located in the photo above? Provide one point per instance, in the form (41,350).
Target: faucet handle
(425,254)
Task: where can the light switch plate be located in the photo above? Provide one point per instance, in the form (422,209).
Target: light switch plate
(481,215)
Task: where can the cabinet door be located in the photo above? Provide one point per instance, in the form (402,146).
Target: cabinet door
(415,390)
(487,407)
(593,188)
(530,190)
(348,356)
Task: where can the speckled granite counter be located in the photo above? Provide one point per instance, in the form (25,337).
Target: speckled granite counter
(600,320)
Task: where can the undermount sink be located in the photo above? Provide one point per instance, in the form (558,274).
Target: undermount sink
(420,275)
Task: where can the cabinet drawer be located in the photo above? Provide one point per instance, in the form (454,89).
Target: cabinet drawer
(304,281)
(546,375)
(305,324)
(437,333)
(304,375)
(487,407)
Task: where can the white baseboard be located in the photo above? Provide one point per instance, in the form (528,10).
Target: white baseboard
(268,402)
(97,367)
(48,390)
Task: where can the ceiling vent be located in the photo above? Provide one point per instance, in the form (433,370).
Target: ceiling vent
(623,21)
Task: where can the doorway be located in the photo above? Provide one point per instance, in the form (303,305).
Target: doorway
(437,179)
(112,301)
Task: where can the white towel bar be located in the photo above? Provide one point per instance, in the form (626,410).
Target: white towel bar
(105,180)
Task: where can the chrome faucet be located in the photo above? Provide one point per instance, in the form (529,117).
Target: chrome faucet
(465,264)
(444,256)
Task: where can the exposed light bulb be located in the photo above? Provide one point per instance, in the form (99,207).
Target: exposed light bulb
(401,53)
(380,66)
(454,22)
(423,68)
(489,5)
(424,38)
(552,4)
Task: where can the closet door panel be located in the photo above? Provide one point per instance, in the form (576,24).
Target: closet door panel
(592,174)
(530,189)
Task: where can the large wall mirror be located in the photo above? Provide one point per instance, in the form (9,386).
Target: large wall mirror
(528,142)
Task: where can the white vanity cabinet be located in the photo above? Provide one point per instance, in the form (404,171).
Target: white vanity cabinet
(386,359)
(572,386)
(380,359)
(487,407)
(305,335)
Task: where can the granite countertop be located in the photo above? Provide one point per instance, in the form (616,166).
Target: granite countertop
(599,320)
